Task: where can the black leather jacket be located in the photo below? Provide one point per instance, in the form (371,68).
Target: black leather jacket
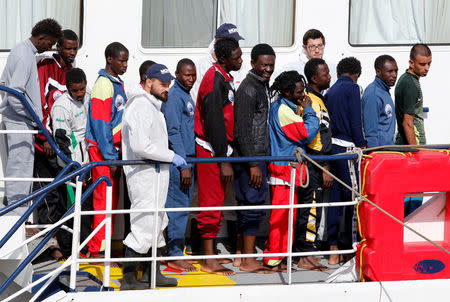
(251,112)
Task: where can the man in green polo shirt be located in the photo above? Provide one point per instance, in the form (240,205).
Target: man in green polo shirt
(409,99)
(409,107)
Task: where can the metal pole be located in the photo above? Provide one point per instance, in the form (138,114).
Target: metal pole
(76,234)
(155,226)
(290,221)
(107,270)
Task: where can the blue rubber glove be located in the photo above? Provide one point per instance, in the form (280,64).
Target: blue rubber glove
(178,160)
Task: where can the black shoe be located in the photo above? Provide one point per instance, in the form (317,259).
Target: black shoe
(161,280)
(129,281)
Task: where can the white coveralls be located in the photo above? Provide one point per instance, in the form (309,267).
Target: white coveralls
(69,118)
(144,136)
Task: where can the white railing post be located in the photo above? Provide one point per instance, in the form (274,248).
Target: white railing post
(290,221)
(108,217)
(155,231)
(76,234)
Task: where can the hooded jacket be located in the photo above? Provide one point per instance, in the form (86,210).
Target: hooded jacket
(144,132)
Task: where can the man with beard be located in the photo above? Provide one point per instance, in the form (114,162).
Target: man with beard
(308,219)
(251,135)
(145,137)
(179,113)
(288,131)
(378,107)
(214,123)
(103,132)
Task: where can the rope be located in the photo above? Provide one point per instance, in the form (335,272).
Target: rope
(298,154)
(376,206)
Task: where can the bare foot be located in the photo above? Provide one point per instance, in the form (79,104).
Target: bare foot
(282,268)
(56,253)
(224,260)
(253,266)
(334,259)
(311,263)
(182,265)
(237,261)
(214,267)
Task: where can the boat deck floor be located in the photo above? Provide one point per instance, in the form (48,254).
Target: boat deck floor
(200,278)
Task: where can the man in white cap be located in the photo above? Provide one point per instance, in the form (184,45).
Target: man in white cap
(224,30)
(144,136)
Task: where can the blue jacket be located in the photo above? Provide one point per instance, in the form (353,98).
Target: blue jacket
(179,111)
(288,130)
(378,112)
(343,101)
(104,125)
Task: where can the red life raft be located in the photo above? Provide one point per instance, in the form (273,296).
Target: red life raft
(390,251)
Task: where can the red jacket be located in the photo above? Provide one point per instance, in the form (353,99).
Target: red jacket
(214,114)
(52,82)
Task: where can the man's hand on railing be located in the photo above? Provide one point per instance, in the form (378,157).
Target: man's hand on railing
(255,177)
(226,172)
(48,150)
(186,178)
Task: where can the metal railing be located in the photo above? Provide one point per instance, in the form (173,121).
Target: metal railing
(76,209)
(75,213)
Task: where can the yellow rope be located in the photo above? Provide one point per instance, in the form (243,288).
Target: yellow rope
(389,152)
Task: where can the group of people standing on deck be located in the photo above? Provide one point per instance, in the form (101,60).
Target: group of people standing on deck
(312,104)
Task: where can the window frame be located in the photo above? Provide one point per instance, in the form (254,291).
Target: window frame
(80,30)
(378,44)
(195,50)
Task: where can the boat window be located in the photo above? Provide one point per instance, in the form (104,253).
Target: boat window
(17,18)
(400,22)
(425,213)
(192,23)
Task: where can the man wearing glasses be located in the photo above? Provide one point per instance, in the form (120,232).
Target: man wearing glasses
(313,47)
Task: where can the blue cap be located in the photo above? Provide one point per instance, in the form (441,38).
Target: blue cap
(228,30)
(160,72)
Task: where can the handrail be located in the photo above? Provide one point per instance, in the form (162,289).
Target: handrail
(83,170)
(51,233)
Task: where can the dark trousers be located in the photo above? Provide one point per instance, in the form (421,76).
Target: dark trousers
(248,220)
(177,197)
(338,193)
(54,205)
(308,219)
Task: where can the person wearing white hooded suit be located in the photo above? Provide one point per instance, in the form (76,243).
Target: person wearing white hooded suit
(144,136)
